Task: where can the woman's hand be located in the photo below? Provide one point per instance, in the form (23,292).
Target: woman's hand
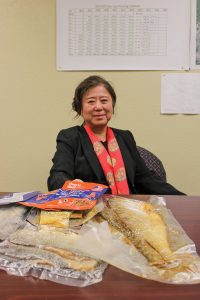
(78,180)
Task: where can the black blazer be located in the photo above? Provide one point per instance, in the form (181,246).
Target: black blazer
(76,159)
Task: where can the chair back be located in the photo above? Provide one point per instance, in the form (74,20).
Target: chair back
(153,162)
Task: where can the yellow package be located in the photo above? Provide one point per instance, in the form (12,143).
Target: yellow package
(58,219)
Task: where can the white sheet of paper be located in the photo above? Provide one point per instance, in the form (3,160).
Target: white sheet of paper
(180,93)
(123,35)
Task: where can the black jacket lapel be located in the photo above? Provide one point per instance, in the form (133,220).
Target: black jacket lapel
(90,154)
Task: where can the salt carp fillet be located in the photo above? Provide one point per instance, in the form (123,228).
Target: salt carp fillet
(143,226)
(44,237)
(46,257)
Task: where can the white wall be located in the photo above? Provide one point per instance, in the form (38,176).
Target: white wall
(36,104)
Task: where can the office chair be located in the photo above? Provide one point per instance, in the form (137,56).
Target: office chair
(153,162)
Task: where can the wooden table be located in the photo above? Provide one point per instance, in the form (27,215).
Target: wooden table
(116,284)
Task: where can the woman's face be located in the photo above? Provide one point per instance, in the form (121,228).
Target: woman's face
(97,106)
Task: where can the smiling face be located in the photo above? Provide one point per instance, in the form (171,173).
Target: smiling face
(97,107)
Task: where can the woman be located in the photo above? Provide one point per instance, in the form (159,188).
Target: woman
(95,152)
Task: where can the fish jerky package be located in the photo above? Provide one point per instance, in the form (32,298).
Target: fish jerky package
(142,238)
(74,195)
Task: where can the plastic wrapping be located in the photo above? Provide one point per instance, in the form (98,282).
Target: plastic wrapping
(12,216)
(29,249)
(16,197)
(38,267)
(80,255)
(113,247)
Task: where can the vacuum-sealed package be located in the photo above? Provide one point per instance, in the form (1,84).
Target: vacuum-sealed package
(50,255)
(40,242)
(74,195)
(142,238)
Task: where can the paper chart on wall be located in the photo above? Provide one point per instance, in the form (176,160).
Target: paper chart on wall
(195,34)
(180,93)
(123,35)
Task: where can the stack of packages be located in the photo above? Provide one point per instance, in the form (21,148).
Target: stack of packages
(38,234)
(71,234)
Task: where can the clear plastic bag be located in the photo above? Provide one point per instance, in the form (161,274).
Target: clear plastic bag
(115,248)
(37,266)
(29,249)
(12,216)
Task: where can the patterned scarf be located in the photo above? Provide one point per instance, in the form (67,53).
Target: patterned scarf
(111,161)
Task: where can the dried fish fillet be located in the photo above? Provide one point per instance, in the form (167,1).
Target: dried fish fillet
(74,260)
(140,222)
(44,237)
(48,256)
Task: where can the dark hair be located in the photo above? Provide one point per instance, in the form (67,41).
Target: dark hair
(85,85)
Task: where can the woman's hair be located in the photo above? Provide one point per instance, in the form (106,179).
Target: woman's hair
(85,85)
